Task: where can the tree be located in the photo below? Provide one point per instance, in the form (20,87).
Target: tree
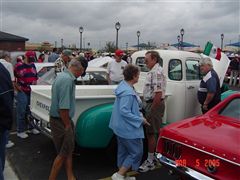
(109,47)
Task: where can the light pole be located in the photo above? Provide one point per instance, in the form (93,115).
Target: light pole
(178,38)
(222,36)
(117,27)
(126,46)
(138,35)
(182,33)
(81,31)
(62,43)
(55,44)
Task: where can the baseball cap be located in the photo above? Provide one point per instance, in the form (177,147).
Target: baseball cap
(67,52)
(119,52)
(30,54)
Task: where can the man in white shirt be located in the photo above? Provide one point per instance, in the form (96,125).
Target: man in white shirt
(115,68)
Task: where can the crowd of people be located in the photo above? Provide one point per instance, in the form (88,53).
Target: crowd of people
(131,115)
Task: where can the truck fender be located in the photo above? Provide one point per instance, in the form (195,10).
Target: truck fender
(92,129)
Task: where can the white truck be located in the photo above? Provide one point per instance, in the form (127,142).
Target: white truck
(94,102)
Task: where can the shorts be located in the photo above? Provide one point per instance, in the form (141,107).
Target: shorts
(153,117)
(63,139)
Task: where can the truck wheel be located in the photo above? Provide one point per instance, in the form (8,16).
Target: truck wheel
(111,150)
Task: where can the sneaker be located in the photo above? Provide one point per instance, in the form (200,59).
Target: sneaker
(9,144)
(146,166)
(22,135)
(34,131)
(117,176)
(130,178)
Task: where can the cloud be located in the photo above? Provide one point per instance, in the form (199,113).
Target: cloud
(158,21)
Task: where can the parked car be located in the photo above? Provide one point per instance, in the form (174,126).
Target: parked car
(205,146)
(94,76)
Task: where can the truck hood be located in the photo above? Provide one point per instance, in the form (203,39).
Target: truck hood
(214,135)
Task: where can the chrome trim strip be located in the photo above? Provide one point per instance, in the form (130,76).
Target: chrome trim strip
(203,151)
(185,170)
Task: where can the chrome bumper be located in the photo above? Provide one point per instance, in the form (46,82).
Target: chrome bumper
(183,170)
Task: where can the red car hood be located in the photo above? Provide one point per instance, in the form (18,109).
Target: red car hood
(217,135)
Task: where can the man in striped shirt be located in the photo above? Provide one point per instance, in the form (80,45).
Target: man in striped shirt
(26,75)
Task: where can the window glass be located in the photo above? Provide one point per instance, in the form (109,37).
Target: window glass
(192,70)
(140,61)
(232,109)
(175,69)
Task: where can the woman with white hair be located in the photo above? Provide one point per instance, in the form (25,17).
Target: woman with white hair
(209,92)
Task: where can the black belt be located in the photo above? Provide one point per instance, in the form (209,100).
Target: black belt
(55,117)
(151,100)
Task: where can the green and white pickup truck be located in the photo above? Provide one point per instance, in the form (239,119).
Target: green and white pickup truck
(94,102)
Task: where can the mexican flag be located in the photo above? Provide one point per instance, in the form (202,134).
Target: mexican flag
(212,51)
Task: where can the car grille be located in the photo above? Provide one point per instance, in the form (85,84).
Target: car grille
(172,149)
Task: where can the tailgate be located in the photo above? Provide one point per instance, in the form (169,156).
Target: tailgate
(40,102)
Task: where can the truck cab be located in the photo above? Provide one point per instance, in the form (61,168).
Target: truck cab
(183,77)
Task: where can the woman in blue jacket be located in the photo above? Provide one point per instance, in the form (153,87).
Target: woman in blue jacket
(127,124)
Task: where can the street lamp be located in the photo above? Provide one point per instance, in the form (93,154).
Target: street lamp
(117,27)
(182,33)
(138,35)
(178,38)
(55,44)
(81,31)
(62,43)
(222,36)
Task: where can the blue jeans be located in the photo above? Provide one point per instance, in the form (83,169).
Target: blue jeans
(3,141)
(23,111)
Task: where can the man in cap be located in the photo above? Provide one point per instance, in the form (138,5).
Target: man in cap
(115,68)
(62,62)
(209,92)
(26,75)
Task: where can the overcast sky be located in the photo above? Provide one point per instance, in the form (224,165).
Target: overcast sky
(158,21)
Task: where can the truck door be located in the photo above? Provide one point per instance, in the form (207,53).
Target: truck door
(192,77)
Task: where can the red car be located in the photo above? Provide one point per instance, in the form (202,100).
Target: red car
(205,146)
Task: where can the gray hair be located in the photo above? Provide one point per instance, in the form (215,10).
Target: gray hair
(75,63)
(206,61)
(4,54)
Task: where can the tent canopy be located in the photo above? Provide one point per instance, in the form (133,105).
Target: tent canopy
(237,44)
(184,44)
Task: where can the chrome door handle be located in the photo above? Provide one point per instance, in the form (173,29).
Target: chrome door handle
(190,87)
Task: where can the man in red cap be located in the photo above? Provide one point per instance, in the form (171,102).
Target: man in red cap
(115,68)
(26,75)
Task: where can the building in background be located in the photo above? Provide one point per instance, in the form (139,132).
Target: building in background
(11,42)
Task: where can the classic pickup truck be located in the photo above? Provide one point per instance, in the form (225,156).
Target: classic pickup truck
(94,102)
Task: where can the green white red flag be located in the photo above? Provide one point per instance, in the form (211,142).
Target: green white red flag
(212,51)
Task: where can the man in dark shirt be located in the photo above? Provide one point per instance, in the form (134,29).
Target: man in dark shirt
(6,112)
(209,92)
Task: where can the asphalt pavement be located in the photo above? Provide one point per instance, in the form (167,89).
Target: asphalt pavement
(31,159)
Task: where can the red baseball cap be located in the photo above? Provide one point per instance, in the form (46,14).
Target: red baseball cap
(119,52)
(30,54)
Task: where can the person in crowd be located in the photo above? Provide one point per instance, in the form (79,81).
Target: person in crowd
(41,58)
(26,75)
(153,105)
(5,60)
(115,68)
(209,92)
(61,113)
(62,62)
(6,112)
(84,64)
(127,124)
(53,56)
(234,65)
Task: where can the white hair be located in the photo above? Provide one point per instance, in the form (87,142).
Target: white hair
(75,63)
(207,61)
